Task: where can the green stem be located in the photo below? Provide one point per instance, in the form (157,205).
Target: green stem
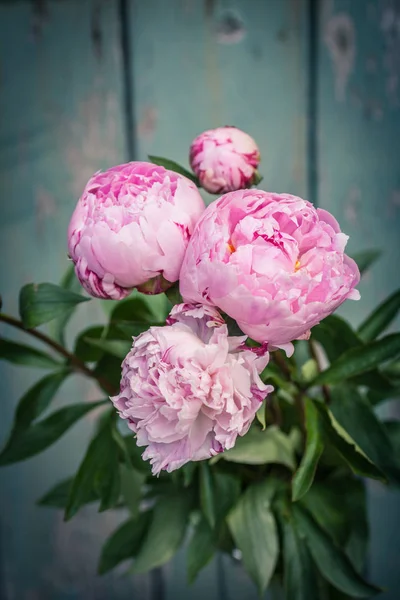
(314,355)
(73,360)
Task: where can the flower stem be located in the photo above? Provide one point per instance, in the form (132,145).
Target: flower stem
(314,355)
(78,364)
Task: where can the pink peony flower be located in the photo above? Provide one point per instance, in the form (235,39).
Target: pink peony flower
(130,229)
(270,261)
(188,389)
(224,159)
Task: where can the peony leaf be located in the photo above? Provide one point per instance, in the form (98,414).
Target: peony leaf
(26,442)
(330,560)
(58,325)
(131,487)
(346,446)
(165,533)
(253,528)
(335,336)
(355,415)
(207,494)
(132,309)
(124,543)
(304,475)
(299,579)
(380,318)
(171,165)
(361,359)
(43,302)
(98,471)
(117,348)
(200,550)
(366,258)
(19,354)
(57,497)
(262,447)
(36,400)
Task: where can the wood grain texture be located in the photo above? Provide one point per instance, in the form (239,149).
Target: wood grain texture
(61,120)
(201,64)
(358,134)
(358,170)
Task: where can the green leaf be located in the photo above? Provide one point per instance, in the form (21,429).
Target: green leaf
(380,318)
(132,309)
(117,348)
(135,454)
(124,543)
(262,447)
(40,303)
(361,359)
(88,352)
(37,399)
(355,415)
(19,354)
(366,259)
(70,282)
(393,431)
(257,178)
(336,336)
(326,502)
(261,416)
(253,528)
(304,475)
(98,471)
(173,294)
(171,165)
(227,492)
(299,577)
(131,488)
(346,446)
(200,550)
(330,560)
(109,367)
(165,534)
(24,443)
(57,497)
(207,496)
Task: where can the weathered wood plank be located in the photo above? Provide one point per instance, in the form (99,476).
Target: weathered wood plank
(61,120)
(358,127)
(199,64)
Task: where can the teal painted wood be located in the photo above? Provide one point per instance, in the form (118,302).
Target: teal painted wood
(61,120)
(358,129)
(199,64)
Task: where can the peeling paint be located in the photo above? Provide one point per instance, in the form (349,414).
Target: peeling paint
(93,146)
(96,33)
(40,15)
(390,28)
(230,28)
(45,208)
(352,205)
(148,122)
(340,39)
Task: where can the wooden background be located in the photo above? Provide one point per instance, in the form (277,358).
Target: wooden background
(86,84)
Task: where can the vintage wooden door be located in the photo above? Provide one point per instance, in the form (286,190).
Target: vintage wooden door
(85,84)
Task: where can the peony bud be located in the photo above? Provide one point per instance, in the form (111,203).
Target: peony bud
(225,159)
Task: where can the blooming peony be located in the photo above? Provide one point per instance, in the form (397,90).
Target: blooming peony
(224,159)
(130,229)
(188,389)
(270,261)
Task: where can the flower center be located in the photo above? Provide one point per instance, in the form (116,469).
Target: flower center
(231,247)
(297,266)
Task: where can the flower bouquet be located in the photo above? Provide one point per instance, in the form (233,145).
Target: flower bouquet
(242,420)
